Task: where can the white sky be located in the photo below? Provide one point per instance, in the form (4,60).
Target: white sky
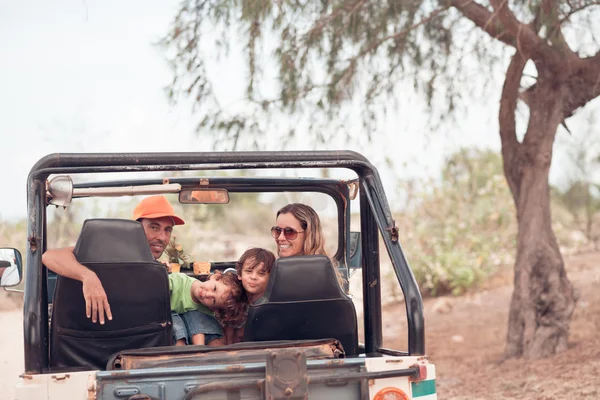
(83,76)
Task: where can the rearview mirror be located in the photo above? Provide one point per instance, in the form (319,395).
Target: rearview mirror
(11,267)
(204,196)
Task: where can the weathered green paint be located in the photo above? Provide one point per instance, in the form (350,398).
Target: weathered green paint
(424,388)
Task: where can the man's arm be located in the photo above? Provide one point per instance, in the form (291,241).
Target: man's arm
(63,262)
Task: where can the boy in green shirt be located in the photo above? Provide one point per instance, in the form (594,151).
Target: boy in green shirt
(220,293)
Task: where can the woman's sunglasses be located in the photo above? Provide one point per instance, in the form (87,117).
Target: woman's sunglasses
(288,233)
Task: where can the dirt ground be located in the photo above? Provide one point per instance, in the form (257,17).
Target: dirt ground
(11,348)
(465,339)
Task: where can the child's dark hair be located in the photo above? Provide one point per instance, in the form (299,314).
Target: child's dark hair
(260,256)
(237,302)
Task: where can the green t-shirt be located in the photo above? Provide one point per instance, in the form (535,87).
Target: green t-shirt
(180,286)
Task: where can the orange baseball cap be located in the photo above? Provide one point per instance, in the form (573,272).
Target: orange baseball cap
(156,207)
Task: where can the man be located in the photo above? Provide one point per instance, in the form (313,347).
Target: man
(156,215)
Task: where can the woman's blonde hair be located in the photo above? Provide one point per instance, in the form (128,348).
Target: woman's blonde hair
(314,241)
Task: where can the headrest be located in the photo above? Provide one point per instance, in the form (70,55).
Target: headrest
(299,278)
(109,240)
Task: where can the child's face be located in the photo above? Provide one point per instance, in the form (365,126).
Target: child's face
(212,293)
(254,279)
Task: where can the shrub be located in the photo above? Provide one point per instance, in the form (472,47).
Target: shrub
(459,229)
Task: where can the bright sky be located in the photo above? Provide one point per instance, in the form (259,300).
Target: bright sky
(83,76)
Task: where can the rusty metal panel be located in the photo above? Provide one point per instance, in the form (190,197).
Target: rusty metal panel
(286,377)
(226,382)
(234,354)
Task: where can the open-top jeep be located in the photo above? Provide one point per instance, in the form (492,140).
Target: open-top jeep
(301,339)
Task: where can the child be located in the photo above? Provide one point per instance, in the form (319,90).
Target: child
(253,270)
(196,302)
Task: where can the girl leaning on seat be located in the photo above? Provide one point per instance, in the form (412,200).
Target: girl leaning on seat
(297,231)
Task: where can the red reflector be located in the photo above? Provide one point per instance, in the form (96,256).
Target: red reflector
(391,393)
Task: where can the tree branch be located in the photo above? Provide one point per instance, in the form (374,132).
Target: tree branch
(375,45)
(322,22)
(402,33)
(576,10)
(527,40)
(508,129)
(595,59)
(549,11)
(583,86)
(485,20)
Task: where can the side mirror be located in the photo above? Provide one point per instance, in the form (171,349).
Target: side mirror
(355,259)
(11,267)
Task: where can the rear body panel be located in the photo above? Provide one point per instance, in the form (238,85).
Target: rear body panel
(327,379)
(70,385)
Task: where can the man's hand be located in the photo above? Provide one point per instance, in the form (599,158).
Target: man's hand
(96,302)
(167,265)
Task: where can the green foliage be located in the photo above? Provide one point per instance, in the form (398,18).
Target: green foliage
(174,252)
(460,229)
(65,224)
(582,200)
(581,195)
(321,55)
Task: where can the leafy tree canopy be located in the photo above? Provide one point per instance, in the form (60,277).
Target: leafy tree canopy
(327,54)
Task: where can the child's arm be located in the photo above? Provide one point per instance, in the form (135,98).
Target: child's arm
(229,332)
(182,293)
(239,335)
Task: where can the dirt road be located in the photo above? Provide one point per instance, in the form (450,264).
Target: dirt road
(466,335)
(11,348)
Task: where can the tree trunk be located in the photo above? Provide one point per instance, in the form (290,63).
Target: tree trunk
(543,299)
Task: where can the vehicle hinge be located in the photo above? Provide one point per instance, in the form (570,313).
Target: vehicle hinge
(353,185)
(33,242)
(422,373)
(287,376)
(59,378)
(393,231)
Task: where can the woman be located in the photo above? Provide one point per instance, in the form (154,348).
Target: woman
(298,231)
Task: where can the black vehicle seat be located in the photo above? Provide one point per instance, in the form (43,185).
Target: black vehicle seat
(303,300)
(137,288)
